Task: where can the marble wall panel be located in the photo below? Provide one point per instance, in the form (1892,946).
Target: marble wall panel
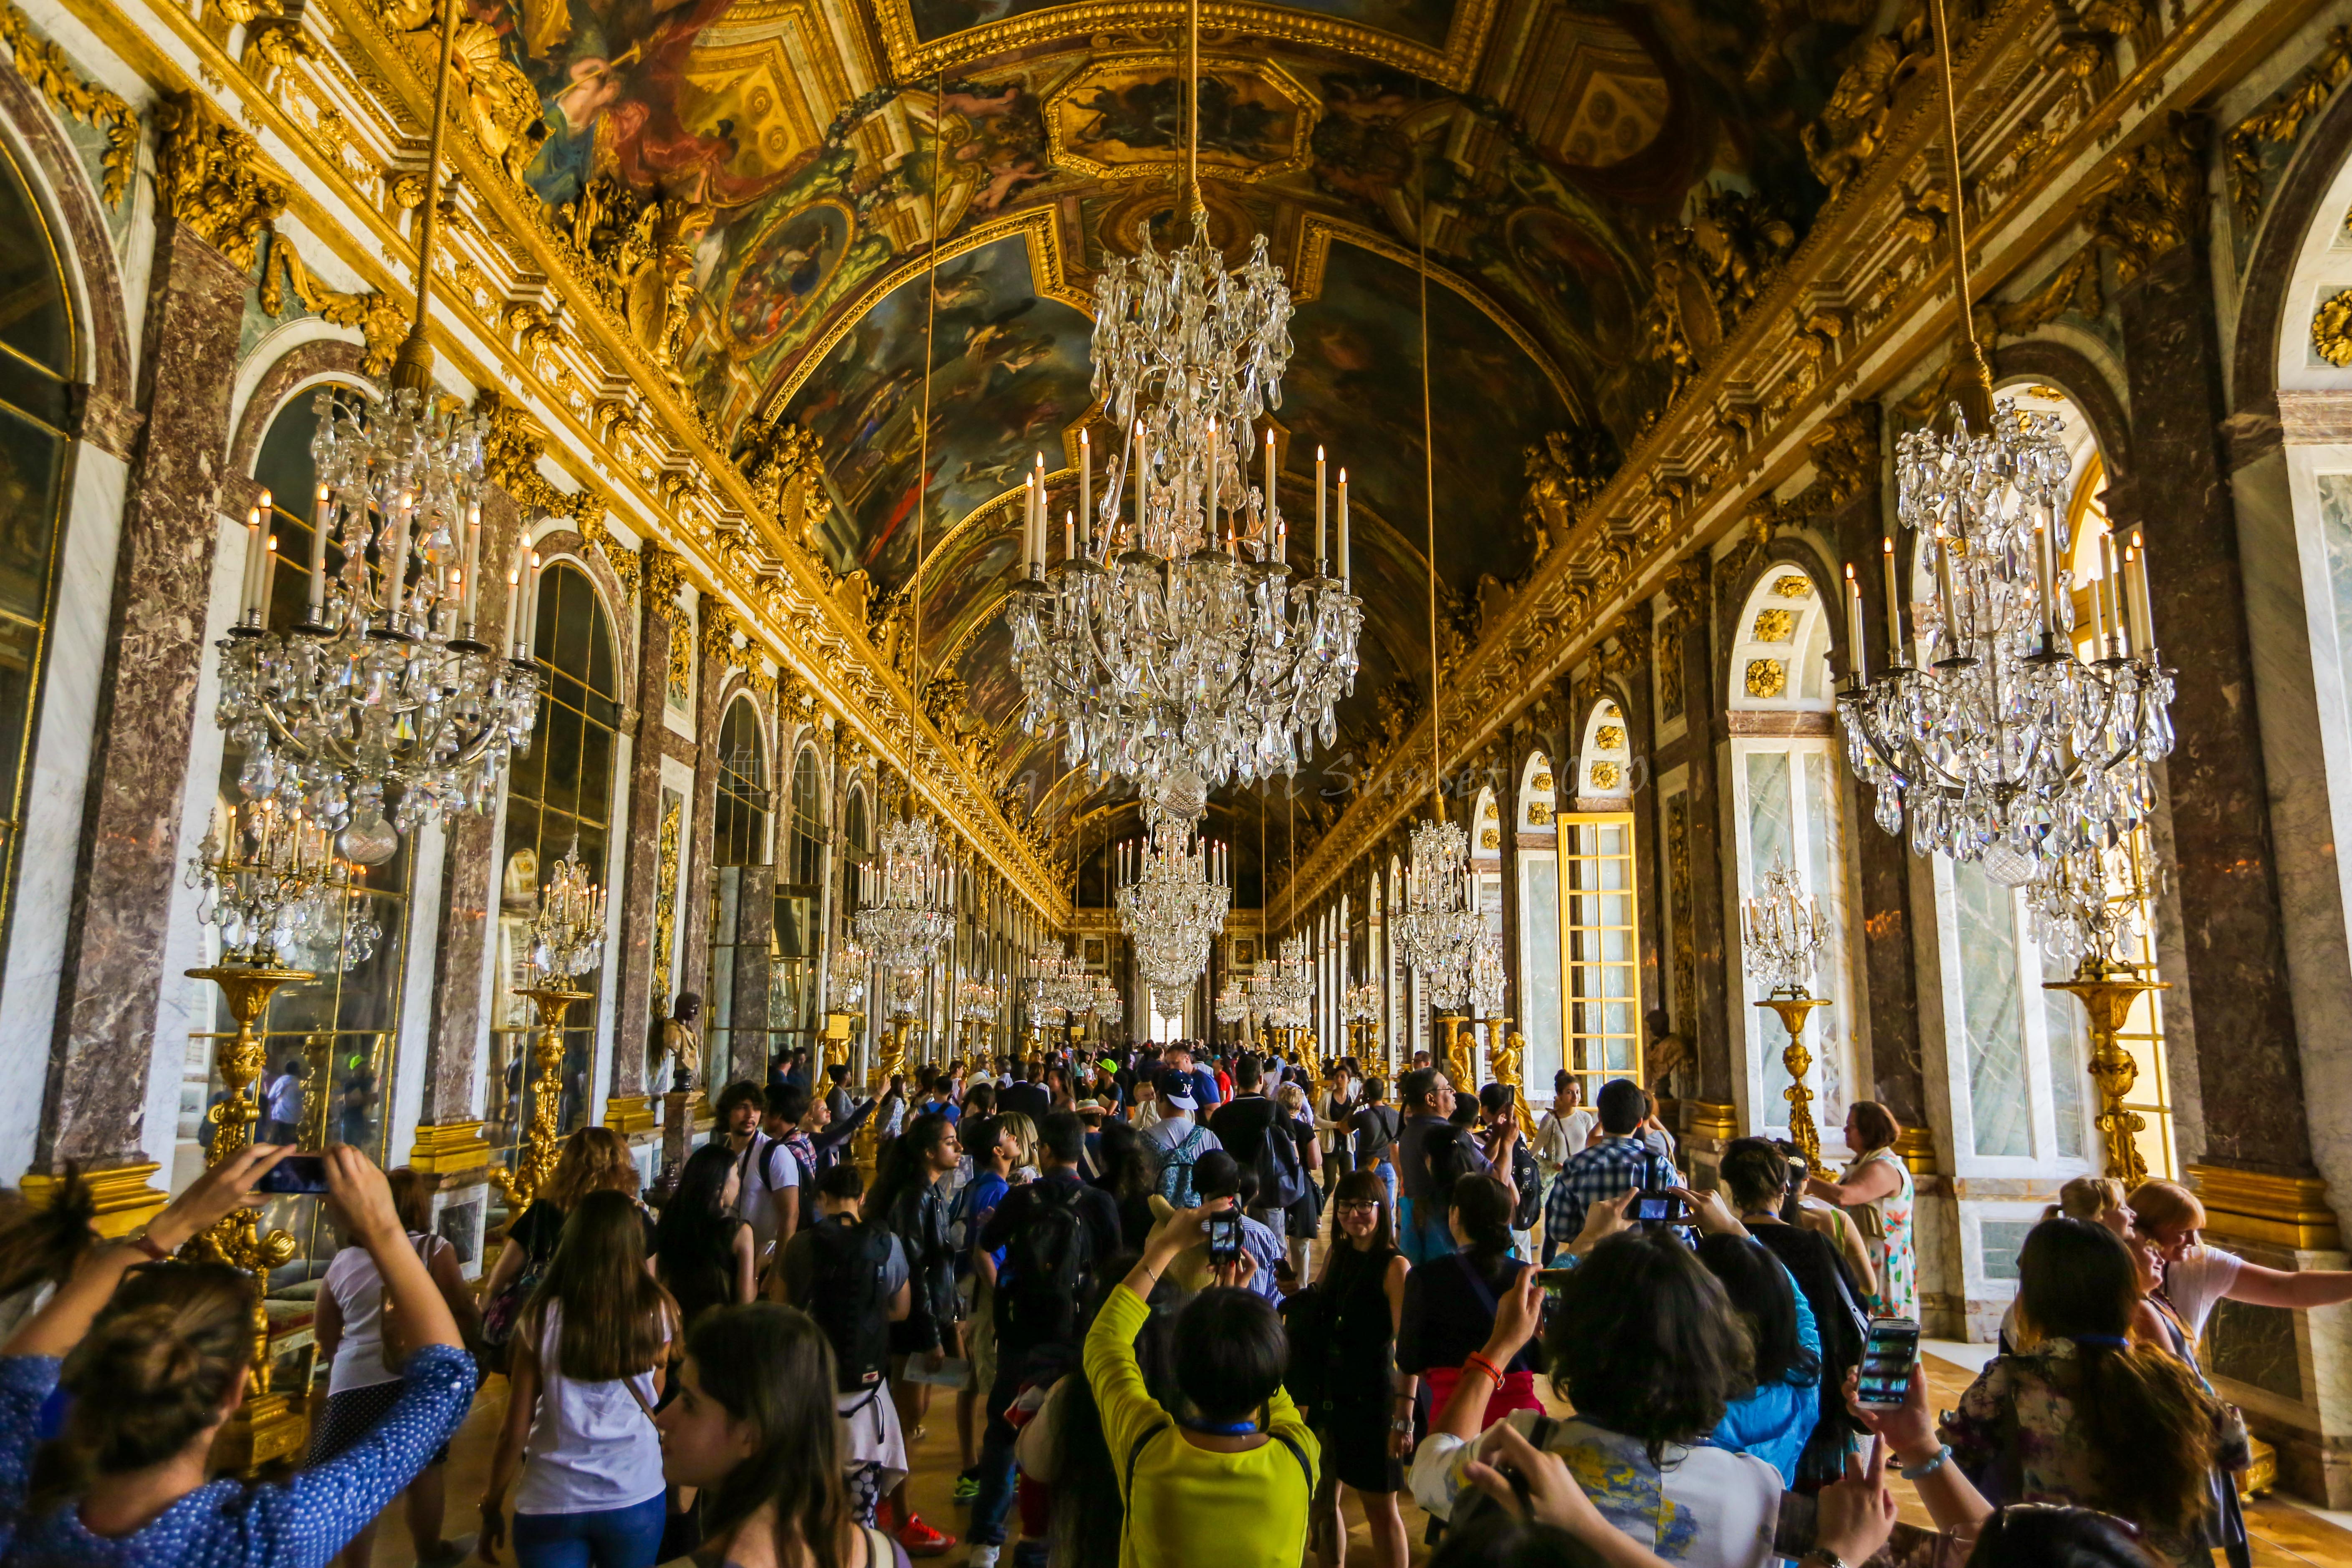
(636,1034)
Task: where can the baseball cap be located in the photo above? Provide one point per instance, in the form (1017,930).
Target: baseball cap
(1176,1088)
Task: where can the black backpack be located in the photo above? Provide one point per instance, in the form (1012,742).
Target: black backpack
(1527,1178)
(1281,1180)
(1051,1260)
(848,1300)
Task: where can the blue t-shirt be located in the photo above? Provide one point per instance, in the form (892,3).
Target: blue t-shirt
(972,1207)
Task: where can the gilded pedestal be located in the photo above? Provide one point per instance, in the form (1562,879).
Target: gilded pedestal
(268,1424)
(2107,993)
(535,1158)
(1792,1008)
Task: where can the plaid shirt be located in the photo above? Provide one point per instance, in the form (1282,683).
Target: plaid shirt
(1601,1171)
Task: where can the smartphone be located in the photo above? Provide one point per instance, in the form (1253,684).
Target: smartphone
(1225,1236)
(295,1173)
(1657,1206)
(1551,1282)
(1887,1357)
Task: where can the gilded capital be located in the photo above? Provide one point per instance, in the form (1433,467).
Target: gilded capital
(213,177)
(664,571)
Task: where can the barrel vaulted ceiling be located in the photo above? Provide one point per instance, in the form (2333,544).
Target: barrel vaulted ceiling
(1595,184)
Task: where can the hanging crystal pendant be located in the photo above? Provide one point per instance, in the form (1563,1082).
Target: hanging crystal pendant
(1439,923)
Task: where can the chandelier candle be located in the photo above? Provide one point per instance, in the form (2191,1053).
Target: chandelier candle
(1085,485)
(2135,568)
(1857,661)
(1897,655)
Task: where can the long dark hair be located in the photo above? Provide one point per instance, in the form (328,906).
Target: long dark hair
(770,1366)
(1361,1186)
(1767,1303)
(902,1168)
(616,1319)
(1482,1205)
(1643,1341)
(153,1373)
(2140,1415)
(691,1239)
(1128,1166)
(41,1243)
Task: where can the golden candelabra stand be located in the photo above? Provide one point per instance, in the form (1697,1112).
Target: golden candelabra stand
(269,1425)
(1454,1053)
(2107,992)
(888,1063)
(1792,1006)
(535,1157)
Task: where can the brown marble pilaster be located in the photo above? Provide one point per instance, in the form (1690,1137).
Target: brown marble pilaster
(1884,924)
(2232,925)
(469,869)
(694,877)
(1709,1029)
(129,854)
(636,1032)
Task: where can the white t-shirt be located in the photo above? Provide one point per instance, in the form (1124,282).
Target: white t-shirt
(358,1290)
(2203,1277)
(764,1173)
(592,1446)
(285,1097)
(1707,1508)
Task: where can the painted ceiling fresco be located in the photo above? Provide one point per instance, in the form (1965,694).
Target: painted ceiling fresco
(1597,185)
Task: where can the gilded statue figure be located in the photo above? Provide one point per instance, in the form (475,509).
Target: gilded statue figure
(683,1045)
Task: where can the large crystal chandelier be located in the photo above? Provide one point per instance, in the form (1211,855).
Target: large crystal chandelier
(1233,1003)
(1362,1002)
(1781,932)
(907,902)
(383,688)
(1174,890)
(976,1002)
(2002,746)
(279,893)
(1104,1001)
(1487,977)
(845,976)
(1169,636)
(567,930)
(1438,923)
(1057,985)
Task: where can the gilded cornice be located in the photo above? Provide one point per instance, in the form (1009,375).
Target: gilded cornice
(45,65)
(1862,302)
(212,176)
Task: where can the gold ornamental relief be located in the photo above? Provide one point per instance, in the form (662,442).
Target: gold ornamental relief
(1766,678)
(1605,776)
(47,66)
(1775,624)
(1490,839)
(1543,782)
(213,177)
(1609,738)
(1794,587)
(2331,329)
(1539,813)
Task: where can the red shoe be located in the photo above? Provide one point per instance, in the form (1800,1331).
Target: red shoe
(922,1541)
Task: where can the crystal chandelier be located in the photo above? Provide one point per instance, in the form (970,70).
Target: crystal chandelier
(2088,908)
(1104,1003)
(845,971)
(1486,976)
(1781,932)
(906,902)
(976,1002)
(1439,925)
(2003,747)
(1058,986)
(383,686)
(279,893)
(1161,642)
(567,932)
(1362,1002)
(1233,1003)
(1174,890)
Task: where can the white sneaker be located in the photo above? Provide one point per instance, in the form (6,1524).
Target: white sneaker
(980,1556)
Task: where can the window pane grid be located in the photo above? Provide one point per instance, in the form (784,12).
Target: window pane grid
(1599,1022)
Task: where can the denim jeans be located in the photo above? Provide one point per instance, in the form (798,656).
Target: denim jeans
(994,1470)
(606,1538)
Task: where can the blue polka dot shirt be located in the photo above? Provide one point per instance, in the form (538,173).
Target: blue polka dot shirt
(231,1523)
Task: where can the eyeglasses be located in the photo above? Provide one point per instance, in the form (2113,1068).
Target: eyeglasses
(1357,1206)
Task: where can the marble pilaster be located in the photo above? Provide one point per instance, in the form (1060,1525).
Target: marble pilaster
(694,879)
(146,711)
(470,873)
(1710,1028)
(636,1033)
(2233,931)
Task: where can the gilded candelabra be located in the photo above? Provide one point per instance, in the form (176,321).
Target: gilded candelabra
(1505,1049)
(535,1162)
(1454,1049)
(1782,930)
(2107,992)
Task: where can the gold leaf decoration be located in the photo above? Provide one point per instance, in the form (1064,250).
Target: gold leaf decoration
(1794,588)
(382,320)
(1543,782)
(1774,624)
(1539,813)
(1610,738)
(43,64)
(2331,329)
(1490,839)
(1766,678)
(2281,123)
(1606,774)
(213,177)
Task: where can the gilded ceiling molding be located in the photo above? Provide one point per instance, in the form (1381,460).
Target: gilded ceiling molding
(213,177)
(1454,66)
(2280,123)
(383,320)
(511,453)
(47,66)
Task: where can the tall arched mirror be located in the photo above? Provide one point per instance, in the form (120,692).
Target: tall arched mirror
(742,907)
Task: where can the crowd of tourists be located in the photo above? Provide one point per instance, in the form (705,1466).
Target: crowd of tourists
(1178,1305)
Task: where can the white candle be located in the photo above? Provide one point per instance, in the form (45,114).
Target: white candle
(2046,579)
(1086,484)
(1897,655)
(1142,461)
(531,604)
(1069,536)
(1212,481)
(1318,505)
(1856,660)
(268,577)
(2135,566)
(394,559)
(1270,511)
(2115,596)
(514,603)
(320,516)
(249,591)
(473,569)
(1347,568)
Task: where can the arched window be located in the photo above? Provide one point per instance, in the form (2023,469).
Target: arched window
(38,360)
(799,892)
(558,796)
(339,1031)
(1539,950)
(742,907)
(1599,989)
(1786,806)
